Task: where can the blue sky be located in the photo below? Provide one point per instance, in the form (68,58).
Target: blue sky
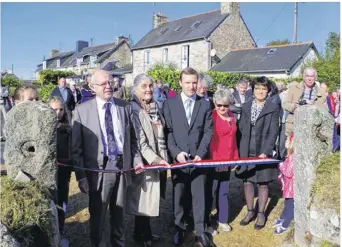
(31,30)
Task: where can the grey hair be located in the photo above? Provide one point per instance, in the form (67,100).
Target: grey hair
(205,79)
(280,85)
(138,79)
(309,68)
(224,95)
(243,81)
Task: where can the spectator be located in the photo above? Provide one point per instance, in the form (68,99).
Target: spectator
(75,92)
(203,86)
(330,98)
(306,92)
(240,96)
(25,93)
(119,89)
(63,156)
(223,146)
(5,106)
(158,95)
(65,94)
(86,92)
(169,92)
(259,125)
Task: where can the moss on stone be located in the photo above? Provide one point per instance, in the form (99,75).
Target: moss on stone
(326,188)
(24,208)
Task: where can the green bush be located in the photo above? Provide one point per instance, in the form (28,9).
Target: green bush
(51,76)
(45,91)
(11,81)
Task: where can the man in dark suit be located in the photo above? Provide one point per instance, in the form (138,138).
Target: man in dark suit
(203,85)
(65,94)
(76,93)
(104,137)
(189,127)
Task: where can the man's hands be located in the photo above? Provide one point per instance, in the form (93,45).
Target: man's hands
(163,162)
(263,156)
(197,158)
(83,185)
(181,157)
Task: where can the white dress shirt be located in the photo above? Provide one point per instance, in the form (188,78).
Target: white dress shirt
(184,100)
(101,108)
(242,98)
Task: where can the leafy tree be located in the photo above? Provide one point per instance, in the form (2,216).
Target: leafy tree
(278,42)
(52,76)
(45,91)
(11,81)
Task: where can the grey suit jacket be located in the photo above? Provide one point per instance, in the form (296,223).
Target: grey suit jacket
(87,147)
(193,139)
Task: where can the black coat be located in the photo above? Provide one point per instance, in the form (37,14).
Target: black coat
(266,128)
(70,102)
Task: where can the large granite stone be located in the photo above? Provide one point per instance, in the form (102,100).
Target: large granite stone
(313,130)
(6,239)
(30,150)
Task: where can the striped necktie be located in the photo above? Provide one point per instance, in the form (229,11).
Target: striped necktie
(188,104)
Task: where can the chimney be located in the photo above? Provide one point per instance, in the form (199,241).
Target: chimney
(121,38)
(80,44)
(54,53)
(158,19)
(232,8)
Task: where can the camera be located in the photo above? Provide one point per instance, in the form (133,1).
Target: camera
(302,102)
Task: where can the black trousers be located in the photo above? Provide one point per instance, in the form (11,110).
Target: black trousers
(142,228)
(99,200)
(195,181)
(63,181)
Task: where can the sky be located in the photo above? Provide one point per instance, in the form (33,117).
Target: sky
(29,31)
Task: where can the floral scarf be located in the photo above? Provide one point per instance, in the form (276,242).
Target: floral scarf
(255,111)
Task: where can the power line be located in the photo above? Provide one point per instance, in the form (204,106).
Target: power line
(274,19)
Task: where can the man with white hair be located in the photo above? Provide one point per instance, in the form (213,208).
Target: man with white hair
(304,93)
(203,86)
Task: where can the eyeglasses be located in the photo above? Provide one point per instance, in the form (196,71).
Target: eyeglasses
(111,83)
(219,105)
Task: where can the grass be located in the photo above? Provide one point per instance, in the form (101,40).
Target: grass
(326,188)
(77,223)
(24,206)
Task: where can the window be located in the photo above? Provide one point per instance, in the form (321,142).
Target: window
(165,55)
(44,64)
(271,51)
(163,30)
(79,61)
(58,63)
(196,24)
(147,60)
(92,61)
(178,28)
(185,56)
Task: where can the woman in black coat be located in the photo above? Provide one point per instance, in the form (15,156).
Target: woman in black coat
(259,125)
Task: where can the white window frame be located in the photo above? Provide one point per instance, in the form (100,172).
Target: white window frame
(44,64)
(185,56)
(165,55)
(58,63)
(79,61)
(92,61)
(147,59)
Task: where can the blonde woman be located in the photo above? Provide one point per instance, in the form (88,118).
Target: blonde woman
(147,187)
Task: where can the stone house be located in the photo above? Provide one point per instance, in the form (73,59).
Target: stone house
(282,61)
(195,41)
(85,59)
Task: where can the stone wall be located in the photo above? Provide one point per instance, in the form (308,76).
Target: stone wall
(313,129)
(123,55)
(198,58)
(231,34)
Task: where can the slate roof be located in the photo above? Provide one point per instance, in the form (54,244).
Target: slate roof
(283,58)
(123,70)
(209,22)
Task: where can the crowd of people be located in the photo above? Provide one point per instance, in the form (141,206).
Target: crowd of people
(97,129)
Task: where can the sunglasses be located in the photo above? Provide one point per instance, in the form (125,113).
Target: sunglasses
(219,105)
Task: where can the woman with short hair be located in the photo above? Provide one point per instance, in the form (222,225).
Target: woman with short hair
(147,187)
(259,125)
(223,146)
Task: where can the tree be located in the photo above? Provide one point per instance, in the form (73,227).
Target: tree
(332,44)
(278,42)
(52,76)
(11,81)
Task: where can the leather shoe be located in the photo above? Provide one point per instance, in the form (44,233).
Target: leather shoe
(178,239)
(205,240)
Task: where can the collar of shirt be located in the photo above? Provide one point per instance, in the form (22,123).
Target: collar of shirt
(101,103)
(185,98)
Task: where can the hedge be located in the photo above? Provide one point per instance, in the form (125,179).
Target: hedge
(51,76)
(228,79)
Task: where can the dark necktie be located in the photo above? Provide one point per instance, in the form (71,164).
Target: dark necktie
(112,147)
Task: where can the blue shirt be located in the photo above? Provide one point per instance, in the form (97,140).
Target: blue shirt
(64,93)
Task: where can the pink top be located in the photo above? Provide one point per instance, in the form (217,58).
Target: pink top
(171,93)
(286,176)
(223,143)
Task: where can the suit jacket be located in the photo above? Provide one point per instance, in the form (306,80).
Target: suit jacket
(194,139)
(70,102)
(78,96)
(266,128)
(87,147)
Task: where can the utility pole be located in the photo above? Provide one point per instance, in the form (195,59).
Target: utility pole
(154,12)
(295,24)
